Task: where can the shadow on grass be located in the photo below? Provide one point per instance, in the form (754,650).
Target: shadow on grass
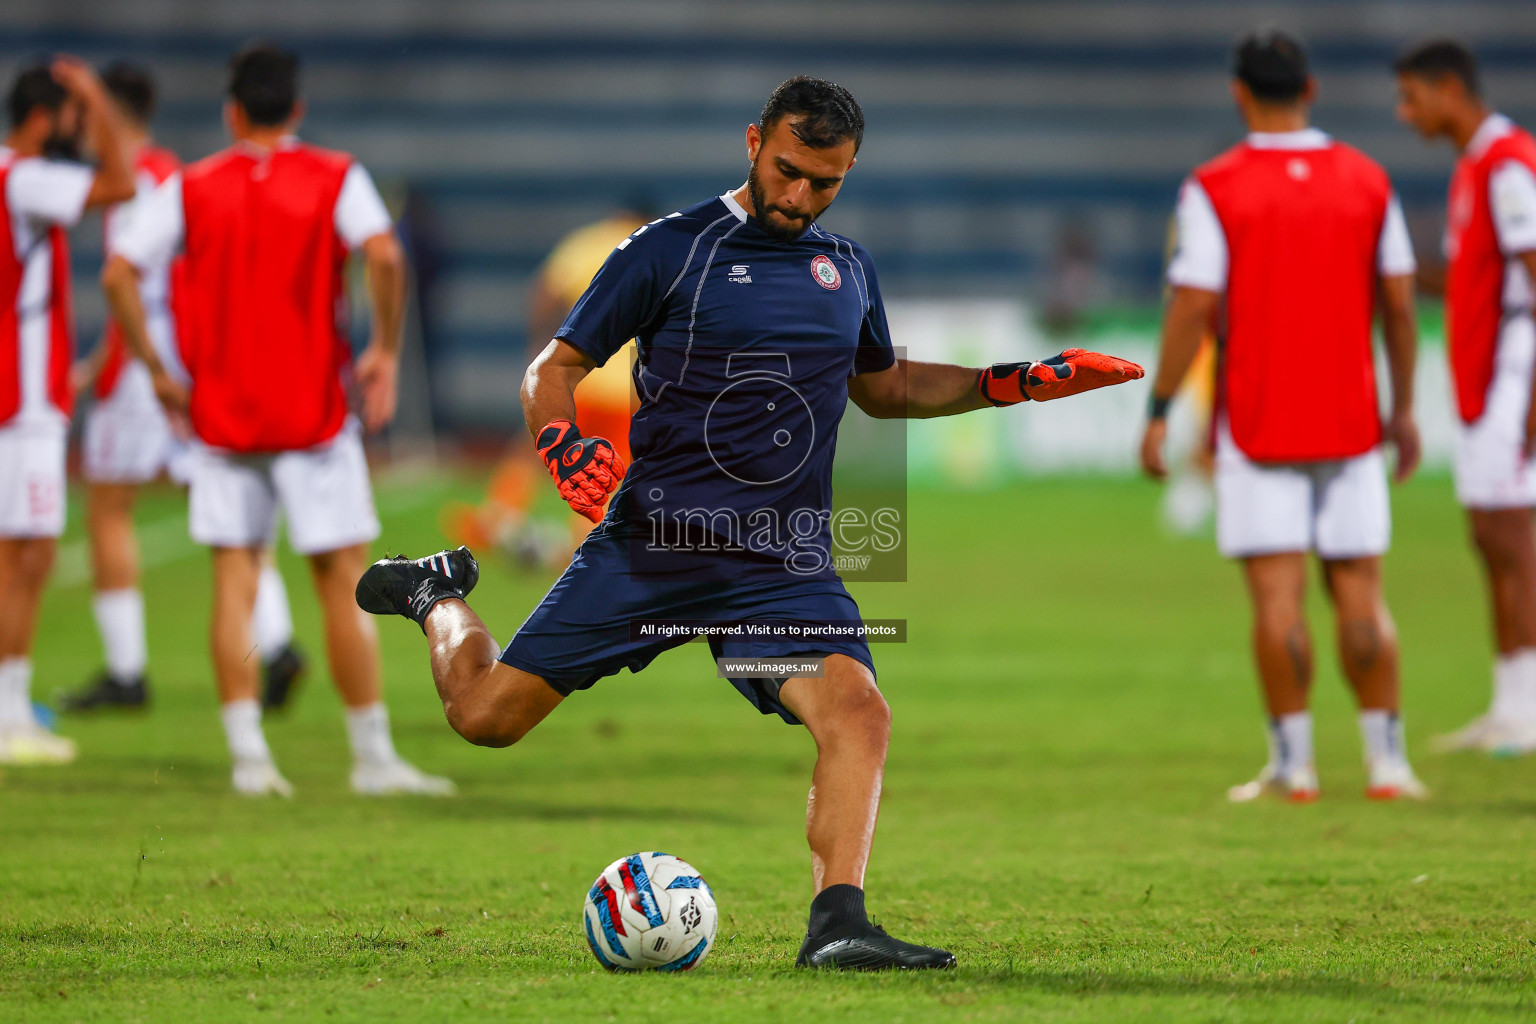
(125,775)
(1493,807)
(137,777)
(1467,992)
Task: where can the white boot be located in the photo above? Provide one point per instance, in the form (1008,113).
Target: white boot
(260,777)
(31,744)
(373,777)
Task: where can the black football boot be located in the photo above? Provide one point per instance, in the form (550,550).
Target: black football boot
(411,587)
(841,937)
(282,678)
(106,691)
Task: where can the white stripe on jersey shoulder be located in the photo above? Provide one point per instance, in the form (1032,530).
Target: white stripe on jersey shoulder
(643,228)
(693,250)
(729,199)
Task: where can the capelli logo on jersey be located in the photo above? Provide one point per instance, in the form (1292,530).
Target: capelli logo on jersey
(740,274)
(825,273)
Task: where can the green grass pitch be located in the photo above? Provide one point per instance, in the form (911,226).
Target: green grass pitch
(1073,702)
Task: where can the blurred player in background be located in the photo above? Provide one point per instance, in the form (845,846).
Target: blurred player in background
(50,108)
(1490,242)
(130,441)
(742,275)
(266,227)
(604,399)
(1298,233)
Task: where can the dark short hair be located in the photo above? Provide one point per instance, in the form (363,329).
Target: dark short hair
(1437,58)
(264,81)
(34,87)
(133,87)
(1272,64)
(824,113)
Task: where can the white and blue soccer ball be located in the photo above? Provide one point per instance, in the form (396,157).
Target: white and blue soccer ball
(650,912)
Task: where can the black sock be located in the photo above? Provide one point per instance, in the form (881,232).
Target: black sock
(837,910)
(428,593)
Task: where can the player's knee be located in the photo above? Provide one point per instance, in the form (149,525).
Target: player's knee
(863,715)
(1278,618)
(481,726)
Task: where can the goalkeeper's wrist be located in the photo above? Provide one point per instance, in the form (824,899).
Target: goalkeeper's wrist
(553,437)
(987,378)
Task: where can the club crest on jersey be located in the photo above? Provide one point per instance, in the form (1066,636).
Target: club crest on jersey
(825,273)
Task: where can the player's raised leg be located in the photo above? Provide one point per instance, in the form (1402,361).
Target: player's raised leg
(851,724)
(489,703)
(352,650)
(1368,655)
(1282,652)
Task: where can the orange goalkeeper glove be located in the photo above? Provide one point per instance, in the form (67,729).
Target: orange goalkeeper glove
(585,469)
(1071,373)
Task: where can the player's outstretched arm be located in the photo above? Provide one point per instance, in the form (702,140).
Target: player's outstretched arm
(911,390)
(1189,315)
(585,469)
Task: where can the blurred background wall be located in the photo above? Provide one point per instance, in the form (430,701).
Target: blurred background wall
(1015,151)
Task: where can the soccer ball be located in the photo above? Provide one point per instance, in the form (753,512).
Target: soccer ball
(650,912)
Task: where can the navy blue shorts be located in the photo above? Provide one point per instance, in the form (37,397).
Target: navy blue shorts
(580,632)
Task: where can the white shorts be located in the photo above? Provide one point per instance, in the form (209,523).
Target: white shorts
(32,481)
(1338,508)
(130,443)
(323,492)
(1491,471)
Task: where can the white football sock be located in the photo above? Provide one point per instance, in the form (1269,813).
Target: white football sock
(1291,742)
(1381,732)
(1522,686)
(242,727)
(120,620)
(16,693)
(272,623)
(1506,671)
(368,729)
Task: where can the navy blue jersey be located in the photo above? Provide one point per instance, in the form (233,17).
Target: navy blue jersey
(746,345)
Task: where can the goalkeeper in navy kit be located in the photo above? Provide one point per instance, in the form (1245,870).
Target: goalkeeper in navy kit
(756,327)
